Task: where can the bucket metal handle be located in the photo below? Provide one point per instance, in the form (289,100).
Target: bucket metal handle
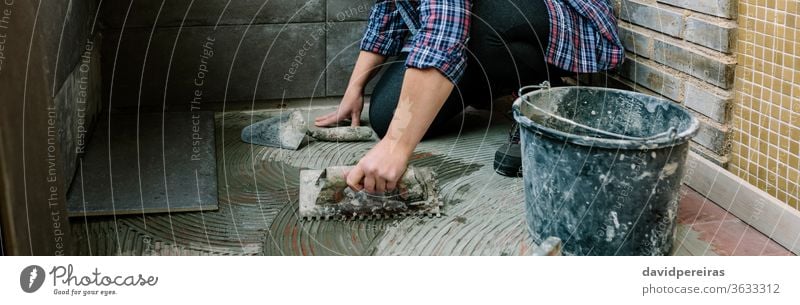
(543,85)
(671,132)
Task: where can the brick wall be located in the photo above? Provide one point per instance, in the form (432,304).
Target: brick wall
(232,51)
(683,50)
(766,113)
(734,64)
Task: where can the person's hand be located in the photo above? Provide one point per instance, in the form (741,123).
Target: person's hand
(381,169)
(350,108)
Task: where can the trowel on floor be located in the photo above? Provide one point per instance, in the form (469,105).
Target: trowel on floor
(324,194)
(289,130)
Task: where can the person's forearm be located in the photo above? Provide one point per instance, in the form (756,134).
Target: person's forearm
(422,96)
(367,65)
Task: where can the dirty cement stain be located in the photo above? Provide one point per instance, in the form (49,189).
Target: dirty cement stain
(258,187)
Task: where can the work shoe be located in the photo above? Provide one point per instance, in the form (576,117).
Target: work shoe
(508,158)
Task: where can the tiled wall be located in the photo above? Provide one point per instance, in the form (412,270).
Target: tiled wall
(239,51)
(766,109)
(49,96)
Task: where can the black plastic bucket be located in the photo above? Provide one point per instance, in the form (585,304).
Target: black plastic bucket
(603,168)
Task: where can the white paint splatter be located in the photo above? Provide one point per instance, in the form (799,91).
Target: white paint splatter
(643,175)
(614,219)
(610,233)
(569,195)
(668,170)
(611,229)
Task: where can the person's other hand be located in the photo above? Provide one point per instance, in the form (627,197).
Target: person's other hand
(381,169)
(349,108)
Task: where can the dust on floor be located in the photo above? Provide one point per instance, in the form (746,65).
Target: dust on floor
(258,189)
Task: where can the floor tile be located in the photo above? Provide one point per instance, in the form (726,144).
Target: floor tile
(737,238)
(695,209)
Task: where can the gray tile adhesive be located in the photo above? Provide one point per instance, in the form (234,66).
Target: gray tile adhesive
(289,130)
(483,213)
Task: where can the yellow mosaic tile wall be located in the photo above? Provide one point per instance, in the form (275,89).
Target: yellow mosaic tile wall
(766,111)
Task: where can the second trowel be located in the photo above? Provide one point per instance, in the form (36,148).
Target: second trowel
(289,130)
(284,131)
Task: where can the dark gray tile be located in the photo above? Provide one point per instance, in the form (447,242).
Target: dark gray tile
(71,23)
(78,104)
(349,10)
(342,50)
(143,12)
(263,61)
(167,165)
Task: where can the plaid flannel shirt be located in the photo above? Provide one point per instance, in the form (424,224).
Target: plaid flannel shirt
(441,26)
(583,34)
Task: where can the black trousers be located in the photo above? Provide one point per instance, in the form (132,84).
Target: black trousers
(506,50)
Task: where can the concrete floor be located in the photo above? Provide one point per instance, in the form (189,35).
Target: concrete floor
(258,187)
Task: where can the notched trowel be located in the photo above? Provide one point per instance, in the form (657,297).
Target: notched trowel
(324,194)
(289,131)
(286,131)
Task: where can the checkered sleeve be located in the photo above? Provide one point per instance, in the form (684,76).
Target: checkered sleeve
(385,31)
(583,36)
(441,40)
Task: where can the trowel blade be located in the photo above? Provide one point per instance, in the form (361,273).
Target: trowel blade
(324,194)
(286,131)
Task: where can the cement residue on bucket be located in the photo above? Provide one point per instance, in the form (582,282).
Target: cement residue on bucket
(577,139)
